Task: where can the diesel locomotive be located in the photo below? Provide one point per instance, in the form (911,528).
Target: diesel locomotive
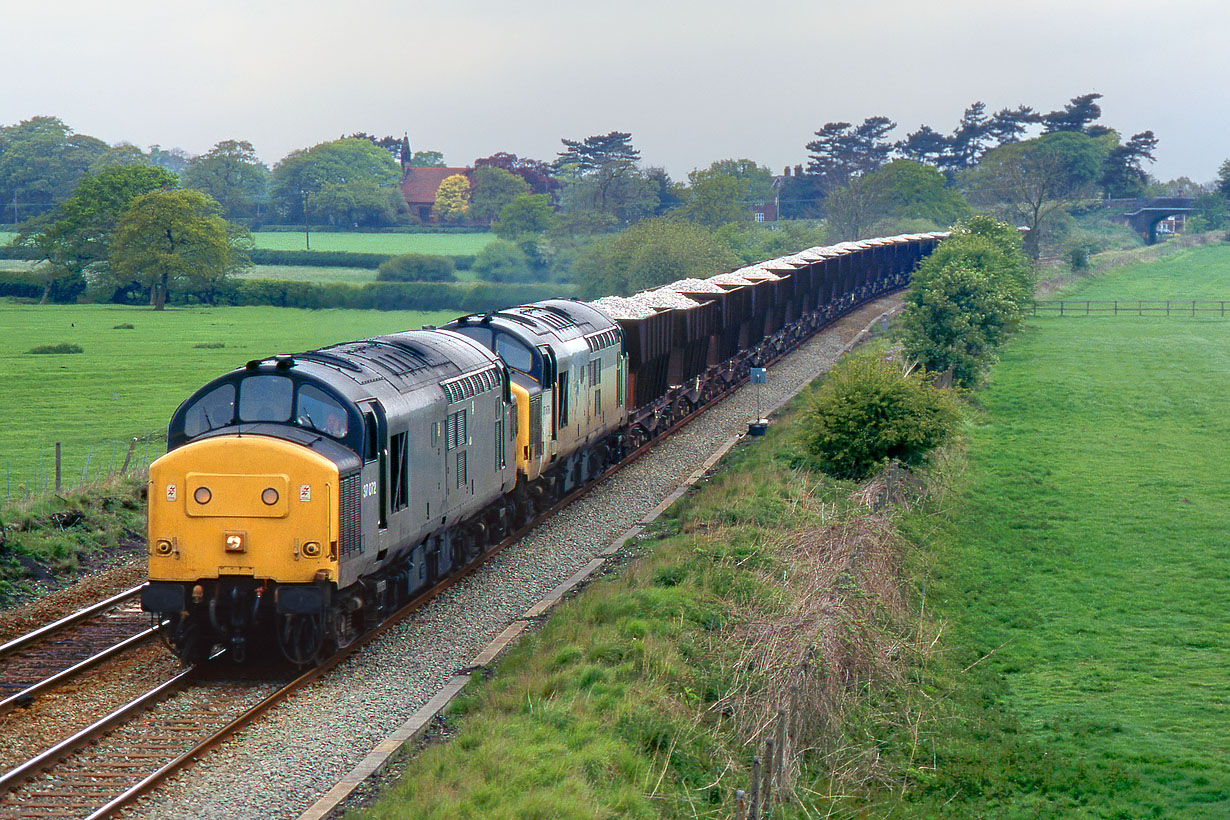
(303,498)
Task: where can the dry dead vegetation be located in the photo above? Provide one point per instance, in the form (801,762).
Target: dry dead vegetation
(847,630)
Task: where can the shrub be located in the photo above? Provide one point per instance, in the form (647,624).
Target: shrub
(416,267)
(1078,257)
(63,347)
(867,412)
(124,326)
(502,261)
(965,298)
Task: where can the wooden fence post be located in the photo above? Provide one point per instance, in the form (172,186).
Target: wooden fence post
(132,445)
(780,746)
(766,791)
(753,805)
(57,466)
(740,804)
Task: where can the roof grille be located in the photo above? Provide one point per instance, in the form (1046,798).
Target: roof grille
(465,387)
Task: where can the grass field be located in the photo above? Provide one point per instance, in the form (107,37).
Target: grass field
(1195,273)
(1087,558)
(441,244)
(127,382)
(308,273)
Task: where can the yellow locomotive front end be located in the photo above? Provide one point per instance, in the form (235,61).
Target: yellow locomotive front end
(243,530)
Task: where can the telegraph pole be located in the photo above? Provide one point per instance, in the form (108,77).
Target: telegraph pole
(307,239)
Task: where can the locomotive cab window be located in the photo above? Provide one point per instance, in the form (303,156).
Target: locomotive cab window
(265,398)
(318,410)
(213,410)
(514,353)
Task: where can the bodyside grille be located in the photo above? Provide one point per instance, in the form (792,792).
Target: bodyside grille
(348,515)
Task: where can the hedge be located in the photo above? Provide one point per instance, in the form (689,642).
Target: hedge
(323,259)
(464,297)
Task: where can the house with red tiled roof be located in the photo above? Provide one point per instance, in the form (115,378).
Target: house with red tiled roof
(419,186)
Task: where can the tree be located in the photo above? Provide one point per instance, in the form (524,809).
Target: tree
(1223,179)
(1008,124)
(232,174)
(427,159)
(173,159)
(1029,181)
(715,199)
(536,173)
(652,252)
(1078,115)
(494,188)
(901,190)
(527,215)
(965,298)
(925,145)
(1122,174)
(170,238)
(452,198)
(842,150)
(41,161)
(76,238)
(361,202)
(969,139)
(345,163)
(602,178)
(593,153)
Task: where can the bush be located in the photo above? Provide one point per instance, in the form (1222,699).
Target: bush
(319,259)
(502,261)
(965,298)
(124,326)
(416,267)
(63,347)
(867,413)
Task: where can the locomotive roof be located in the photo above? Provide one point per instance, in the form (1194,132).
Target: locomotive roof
(403,361)
(562,319)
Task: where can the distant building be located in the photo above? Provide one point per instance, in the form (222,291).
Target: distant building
(770,210)
(419,186)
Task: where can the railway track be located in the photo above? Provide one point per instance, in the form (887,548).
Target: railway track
(45,658)
(104,767)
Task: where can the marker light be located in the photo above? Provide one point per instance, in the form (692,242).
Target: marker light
(202,495)
(270,496)
(311,549)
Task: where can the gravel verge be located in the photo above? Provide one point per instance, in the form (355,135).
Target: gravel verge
(279,766)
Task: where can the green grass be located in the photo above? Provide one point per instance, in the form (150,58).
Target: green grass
(1086,558)
(127,382)
(307,273)
(1194,273)
(441,244)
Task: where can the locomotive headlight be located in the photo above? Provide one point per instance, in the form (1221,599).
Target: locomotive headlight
(202,495)
(311,549)
(163,548)
(270,496)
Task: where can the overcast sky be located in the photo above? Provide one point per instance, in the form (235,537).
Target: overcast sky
(693,81)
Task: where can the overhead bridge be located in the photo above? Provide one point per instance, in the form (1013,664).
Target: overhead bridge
(1144,214)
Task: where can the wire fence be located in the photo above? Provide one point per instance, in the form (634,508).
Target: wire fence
(70,467)
(1131,307)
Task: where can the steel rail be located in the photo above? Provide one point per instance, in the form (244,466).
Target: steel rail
(27,695)
(38,763)
(68,620)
